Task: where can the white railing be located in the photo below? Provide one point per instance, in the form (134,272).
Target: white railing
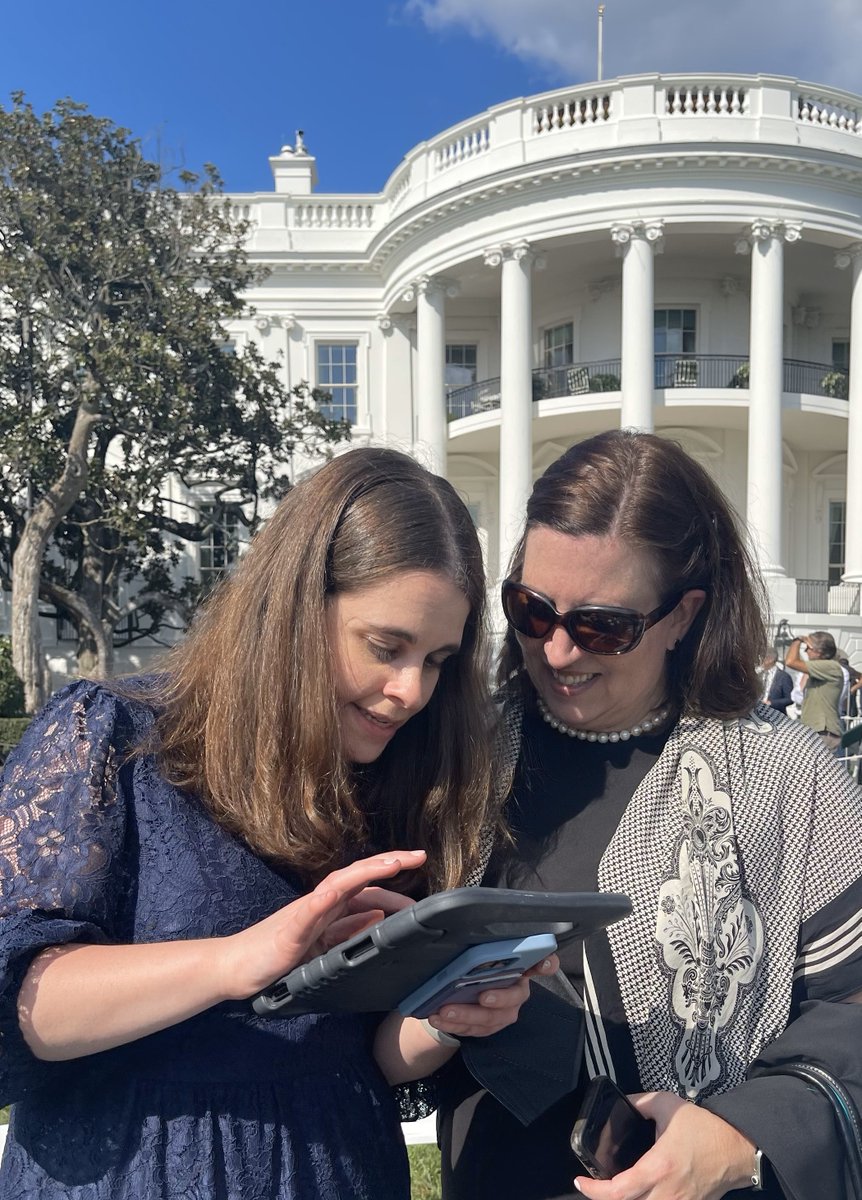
(708,100)
(334,216)
(466,146)
(575,111)
(634,111)
(815,110)
(399,190)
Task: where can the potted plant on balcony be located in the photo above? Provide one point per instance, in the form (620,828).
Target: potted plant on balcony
(834,383)
(741,376)
(604,382)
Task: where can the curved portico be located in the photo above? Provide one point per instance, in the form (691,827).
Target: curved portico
(637,196)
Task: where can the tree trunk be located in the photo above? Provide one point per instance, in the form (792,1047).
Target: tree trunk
(27,656)
(96,644)
(96,651)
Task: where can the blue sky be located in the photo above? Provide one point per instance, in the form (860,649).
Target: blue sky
(368,79)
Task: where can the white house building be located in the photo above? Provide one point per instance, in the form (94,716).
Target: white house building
(674,253)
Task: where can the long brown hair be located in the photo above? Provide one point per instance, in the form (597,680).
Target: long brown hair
(646,491)
(248,710)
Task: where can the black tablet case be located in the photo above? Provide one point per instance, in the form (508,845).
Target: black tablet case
(376,969)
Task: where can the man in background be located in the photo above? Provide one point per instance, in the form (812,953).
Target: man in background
(777,684)
(823,685)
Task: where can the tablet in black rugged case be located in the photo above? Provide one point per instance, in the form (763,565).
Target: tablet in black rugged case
(376,969)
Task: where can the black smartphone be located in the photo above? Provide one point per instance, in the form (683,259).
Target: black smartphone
(610,1135)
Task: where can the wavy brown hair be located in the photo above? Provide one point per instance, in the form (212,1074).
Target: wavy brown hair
(646,491)
(248,716)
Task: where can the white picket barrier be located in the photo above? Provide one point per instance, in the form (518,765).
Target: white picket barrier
(421,1133)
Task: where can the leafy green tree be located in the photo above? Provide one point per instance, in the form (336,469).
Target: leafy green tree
(115,292)
(11,687)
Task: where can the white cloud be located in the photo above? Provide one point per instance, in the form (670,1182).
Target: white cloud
(818,42)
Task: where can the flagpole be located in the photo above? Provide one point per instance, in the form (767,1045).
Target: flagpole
(601,30)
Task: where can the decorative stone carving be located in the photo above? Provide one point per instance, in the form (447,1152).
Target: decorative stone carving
(601,287)
(494,256)
(425,284)
(729,285)
(763,229)
(384,322)
(802,314)
(843,258)
(623,233)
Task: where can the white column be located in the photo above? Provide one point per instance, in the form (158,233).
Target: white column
(765,243)
(516,390)
(432,431)
(637,242)
(853,517)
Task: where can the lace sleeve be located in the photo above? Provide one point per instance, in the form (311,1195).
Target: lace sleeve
(417,1099)
(61,834)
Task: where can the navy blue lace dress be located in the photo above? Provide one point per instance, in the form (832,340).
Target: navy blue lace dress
(224,1106)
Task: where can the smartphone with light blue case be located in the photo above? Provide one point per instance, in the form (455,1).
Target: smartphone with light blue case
(496,964)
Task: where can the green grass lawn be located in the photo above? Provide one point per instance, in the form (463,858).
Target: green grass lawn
(424,1172)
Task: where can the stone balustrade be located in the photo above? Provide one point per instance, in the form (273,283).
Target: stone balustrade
(467,145)
(637,113)
(579,110)
(336,213)
(706,100)
(820,110)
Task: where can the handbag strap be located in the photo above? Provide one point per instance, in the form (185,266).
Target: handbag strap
(843,1109)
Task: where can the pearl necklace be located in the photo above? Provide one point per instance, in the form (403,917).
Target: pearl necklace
(588,735)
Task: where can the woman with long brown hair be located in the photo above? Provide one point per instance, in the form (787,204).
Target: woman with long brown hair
(174,843)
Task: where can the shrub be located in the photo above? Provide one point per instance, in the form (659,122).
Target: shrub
(834,384)
(604,382)
(11,732)
(11,687)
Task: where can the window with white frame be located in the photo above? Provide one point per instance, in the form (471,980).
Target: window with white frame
(219,548)
(336,374)
(559,345)
(675,331)
(841,354)
(674,334)
(460,365)
(837,519)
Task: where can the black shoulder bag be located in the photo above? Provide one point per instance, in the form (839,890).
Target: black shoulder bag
(843,1110)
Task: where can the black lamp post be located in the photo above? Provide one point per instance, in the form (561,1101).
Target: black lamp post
(782,638)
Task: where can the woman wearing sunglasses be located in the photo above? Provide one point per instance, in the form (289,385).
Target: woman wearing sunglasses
(635,758)
(173,844)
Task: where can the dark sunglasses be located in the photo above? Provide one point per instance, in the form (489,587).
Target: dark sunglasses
(596,628)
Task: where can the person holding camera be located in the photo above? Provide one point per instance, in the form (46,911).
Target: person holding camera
(823,686)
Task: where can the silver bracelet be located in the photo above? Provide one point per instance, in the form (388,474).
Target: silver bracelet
(757,1173)
(445,1039)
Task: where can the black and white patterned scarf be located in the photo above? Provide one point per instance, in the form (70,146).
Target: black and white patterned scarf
(735,837)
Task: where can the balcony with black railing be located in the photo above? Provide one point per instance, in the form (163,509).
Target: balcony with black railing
(573,379)
(712,372)
(819,596)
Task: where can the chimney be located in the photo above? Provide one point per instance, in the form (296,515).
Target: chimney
(294,169)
